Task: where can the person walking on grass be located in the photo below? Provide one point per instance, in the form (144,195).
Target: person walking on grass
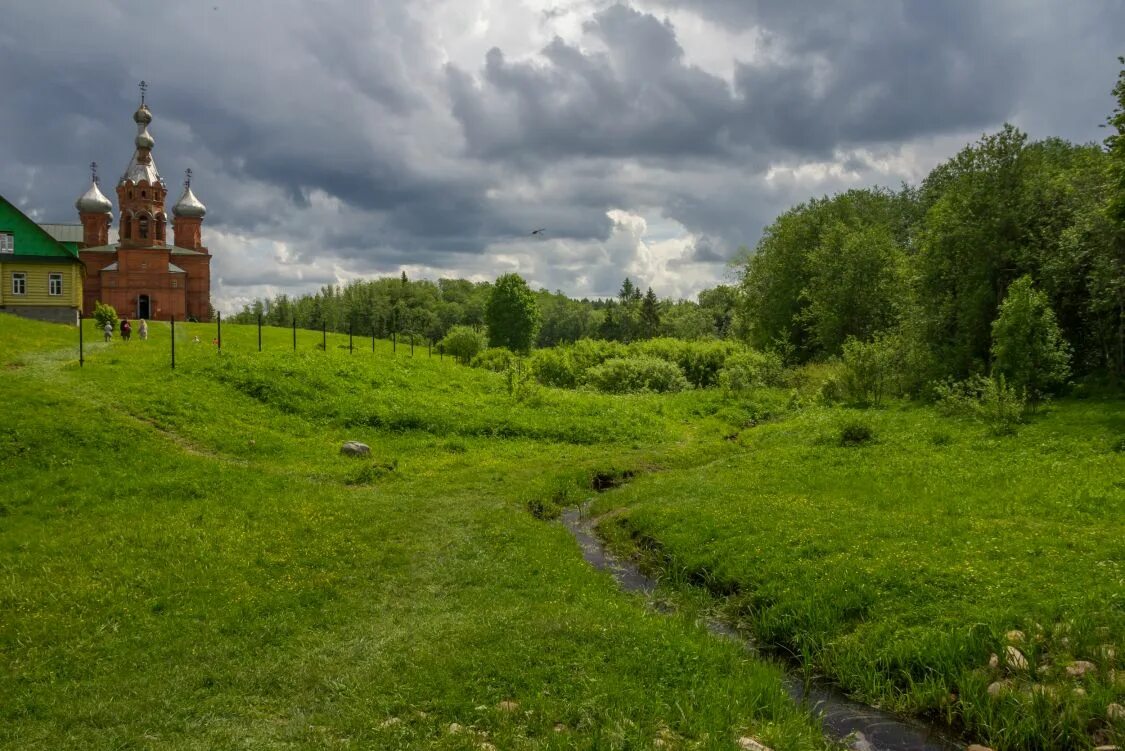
(108,329)
(143,330)
(126,329)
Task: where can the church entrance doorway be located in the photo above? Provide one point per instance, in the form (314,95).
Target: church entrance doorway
(143,306)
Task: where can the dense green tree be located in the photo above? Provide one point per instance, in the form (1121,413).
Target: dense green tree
(684,319)
(564,320)
(970,240)
(1027,347)
(721,305)
(629,292)
(777,278)
(512,314)
(650,315)
(856,285)
(463,343)
(1107,275)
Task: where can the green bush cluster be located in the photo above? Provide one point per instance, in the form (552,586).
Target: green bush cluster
(700,363)
(104,314)
(463,342)
(871,370)
(751,369)
(855,433)
(991,400)
(496,359)
(623,375)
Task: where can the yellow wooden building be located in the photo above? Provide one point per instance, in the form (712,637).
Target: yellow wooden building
(40,277)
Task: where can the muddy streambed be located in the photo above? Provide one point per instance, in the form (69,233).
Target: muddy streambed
(866,728)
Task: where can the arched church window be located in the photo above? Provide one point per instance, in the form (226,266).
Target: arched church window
(127,225)
(142,227)
(161,222)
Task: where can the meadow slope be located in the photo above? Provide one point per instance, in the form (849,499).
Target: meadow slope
(186,561)
(903,566)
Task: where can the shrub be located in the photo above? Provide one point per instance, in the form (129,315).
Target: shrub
(496,359)
(751,369)
(699,361)
(520,383)
(1027,347)
(941,438)
(586,353)
(625,375)
(104,314)
(855,433)
(463,343)
(870,369)
(554,367)
(830,392)
(958,397)
(991,400)
(1002,407)
(371,473)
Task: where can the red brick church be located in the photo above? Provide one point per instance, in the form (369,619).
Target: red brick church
(143,276)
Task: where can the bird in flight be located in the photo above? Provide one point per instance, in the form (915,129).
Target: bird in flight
(539,231)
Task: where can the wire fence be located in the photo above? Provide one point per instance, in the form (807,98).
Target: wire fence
(412,340)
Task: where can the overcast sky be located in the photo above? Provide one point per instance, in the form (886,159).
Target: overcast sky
(336,139)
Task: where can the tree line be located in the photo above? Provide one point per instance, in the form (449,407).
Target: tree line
(429,309)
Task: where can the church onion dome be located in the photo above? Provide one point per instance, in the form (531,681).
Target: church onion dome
(93,202)
(189,206)
(142,116)
(144,139)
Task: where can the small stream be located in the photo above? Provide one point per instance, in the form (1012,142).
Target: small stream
(869,729)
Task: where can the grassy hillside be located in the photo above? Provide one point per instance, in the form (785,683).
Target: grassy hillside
(186,561)
(898,566)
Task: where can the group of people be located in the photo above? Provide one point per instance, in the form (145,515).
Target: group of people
(127,330)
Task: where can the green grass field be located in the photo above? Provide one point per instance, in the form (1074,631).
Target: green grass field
(899,567)
(186,561)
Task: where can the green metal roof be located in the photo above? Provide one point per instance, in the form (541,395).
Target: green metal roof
(31,241)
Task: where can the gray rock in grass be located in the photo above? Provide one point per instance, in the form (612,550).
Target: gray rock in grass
(1015,659)
(355,448)
(996,688)
(1079,668)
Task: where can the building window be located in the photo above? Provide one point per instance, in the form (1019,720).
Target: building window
(7,242)
(19,283)
(54,284)
(142,227)
(175,284)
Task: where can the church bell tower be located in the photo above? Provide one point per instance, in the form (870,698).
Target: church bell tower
(141,191)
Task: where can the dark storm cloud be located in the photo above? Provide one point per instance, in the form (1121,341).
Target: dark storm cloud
(704,251)
(912,69)
(360,134)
